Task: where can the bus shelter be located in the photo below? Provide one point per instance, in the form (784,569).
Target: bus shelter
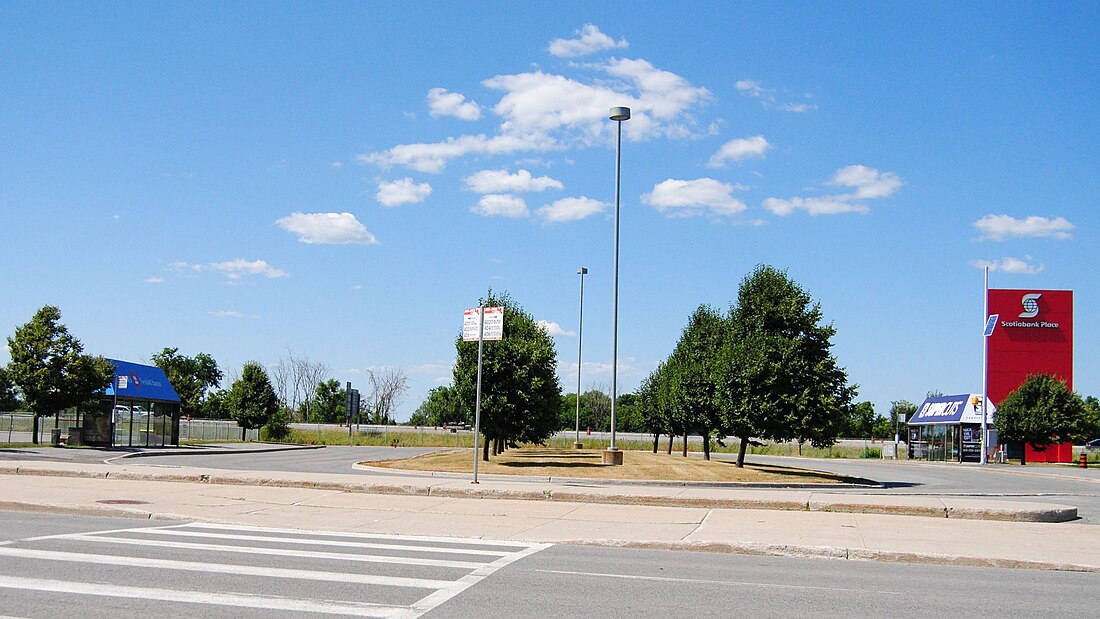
(949,429)
(139,409)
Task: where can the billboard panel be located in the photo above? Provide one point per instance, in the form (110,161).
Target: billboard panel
(1034,335)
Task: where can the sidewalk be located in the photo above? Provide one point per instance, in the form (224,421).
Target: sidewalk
(776,522)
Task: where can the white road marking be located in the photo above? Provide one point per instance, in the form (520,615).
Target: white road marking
(717,582)
(280,552)
(326,542)
(196,597)
(218,568)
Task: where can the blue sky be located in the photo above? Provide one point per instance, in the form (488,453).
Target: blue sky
(340,180)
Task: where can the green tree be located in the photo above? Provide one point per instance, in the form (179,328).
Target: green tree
(440,407)
(859,422)
(629,415)
(901,411)
(9,398)
(656,413)
(1090,426)
(328,402)
(780,381)
(520,392)
(252,400)
(191,377)
(1040,412)
(697,376)
(49,367)
(216,404)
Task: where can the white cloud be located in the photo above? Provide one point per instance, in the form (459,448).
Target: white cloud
(444,103)
(753,88)
(501,205)
(433,157)
(869,182)
(500,181)
(797,108)
(226,314)
(404,191)
(327,229)
(553,329)
(1001,227)
(154,280)
(238,268)
(589,40)
(738,149)
(571,209)
(814,206)
(679,198)
(1010,265)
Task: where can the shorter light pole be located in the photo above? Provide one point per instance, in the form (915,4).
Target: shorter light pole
(580,333)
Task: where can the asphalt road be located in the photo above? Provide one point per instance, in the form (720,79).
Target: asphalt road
(1034,483)
(97,567)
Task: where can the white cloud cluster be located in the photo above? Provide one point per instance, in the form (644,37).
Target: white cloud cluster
(501,205)
(404,191)
(571,209)
(739,149)
(441,102)
(327,229)
(432,157)
(868,183)
(589,41)
(681,198)
(1001,227)
(226,314)
(767,97)
(542,112)
(1011,265)
(232,269)
(553,329)
(501,181)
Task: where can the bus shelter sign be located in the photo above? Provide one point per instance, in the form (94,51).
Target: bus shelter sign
(494,323)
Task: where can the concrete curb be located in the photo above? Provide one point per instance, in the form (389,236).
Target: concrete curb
(877,504)
(206,451)
(851,554)
(588,481)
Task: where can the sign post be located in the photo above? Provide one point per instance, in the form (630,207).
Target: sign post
(490,326)
(990,325)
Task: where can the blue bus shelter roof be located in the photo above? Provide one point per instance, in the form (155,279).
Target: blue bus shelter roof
(141,382)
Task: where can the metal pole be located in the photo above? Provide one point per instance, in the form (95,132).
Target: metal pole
(615,295)
(477,399)
(580,334)
(985,372)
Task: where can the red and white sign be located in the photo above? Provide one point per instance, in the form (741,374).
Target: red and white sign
(494,324)
(1034,335)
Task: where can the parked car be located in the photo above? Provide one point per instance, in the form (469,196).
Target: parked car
(1093,445)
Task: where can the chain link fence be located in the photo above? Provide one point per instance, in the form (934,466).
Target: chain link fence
(18,428)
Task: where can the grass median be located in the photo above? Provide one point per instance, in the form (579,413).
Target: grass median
(588,464)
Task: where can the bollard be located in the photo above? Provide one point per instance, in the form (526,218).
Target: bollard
(1083,460)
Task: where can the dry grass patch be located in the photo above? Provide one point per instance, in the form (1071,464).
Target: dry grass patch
(588,463)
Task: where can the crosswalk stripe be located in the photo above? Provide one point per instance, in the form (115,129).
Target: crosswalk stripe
(195,597)
(519,546)
(325,542)
(217,568)
(281,552)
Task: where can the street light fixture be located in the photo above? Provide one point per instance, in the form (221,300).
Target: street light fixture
(612,455)
(580,333)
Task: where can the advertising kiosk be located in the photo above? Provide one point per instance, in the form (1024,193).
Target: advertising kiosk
(949,429)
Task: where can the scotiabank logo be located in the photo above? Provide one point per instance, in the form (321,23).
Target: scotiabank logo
(1031,305)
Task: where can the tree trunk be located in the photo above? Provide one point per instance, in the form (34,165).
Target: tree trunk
(34,435)
(485,450)
(741,452)
(656,441)
(243,430)
(671,437)
(684,447)
(706,445)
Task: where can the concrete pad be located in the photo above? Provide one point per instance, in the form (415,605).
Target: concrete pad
(625,514)
(982,509)
(879,504)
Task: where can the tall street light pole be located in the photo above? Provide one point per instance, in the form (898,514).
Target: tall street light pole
(612,455)
(580,333)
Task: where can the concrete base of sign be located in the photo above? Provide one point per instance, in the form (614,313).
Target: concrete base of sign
(613,457)
(578,445)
